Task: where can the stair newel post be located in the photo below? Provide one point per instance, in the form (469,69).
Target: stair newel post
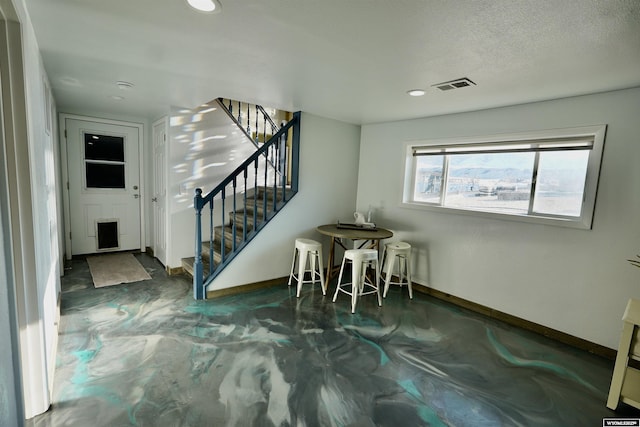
(295,152)
(244,211)
(198,289)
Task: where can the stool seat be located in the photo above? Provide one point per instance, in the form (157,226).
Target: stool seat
(402,252)
(360,260)
(307,249)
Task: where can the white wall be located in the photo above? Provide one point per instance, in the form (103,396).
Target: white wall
(203,149)
(327,187)
(11,405)
(575,281)
(34,205)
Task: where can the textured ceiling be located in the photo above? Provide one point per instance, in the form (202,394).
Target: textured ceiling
(352,60)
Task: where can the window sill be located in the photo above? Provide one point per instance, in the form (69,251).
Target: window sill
(577,223)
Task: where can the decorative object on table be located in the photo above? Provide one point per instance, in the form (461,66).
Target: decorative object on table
(400,252)
(361,221)
(307,249)
(360,259)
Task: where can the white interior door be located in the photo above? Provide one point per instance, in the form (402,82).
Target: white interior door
(159,199)
(103,162)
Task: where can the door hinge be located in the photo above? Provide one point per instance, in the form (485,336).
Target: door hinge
(69,235)
(65,133)
(67,185)
(164,137)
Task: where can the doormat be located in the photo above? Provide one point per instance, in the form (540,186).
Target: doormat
(114,269)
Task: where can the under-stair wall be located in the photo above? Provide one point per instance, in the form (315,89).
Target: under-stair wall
(328,175)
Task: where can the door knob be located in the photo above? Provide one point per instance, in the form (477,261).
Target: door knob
(136,196)
(155,199)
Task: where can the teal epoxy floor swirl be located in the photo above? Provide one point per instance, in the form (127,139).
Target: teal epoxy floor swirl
(147,354)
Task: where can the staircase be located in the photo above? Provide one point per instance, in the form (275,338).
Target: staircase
(238,207)
(241,224)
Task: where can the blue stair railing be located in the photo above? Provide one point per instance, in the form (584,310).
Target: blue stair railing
(241,113)
(244,202)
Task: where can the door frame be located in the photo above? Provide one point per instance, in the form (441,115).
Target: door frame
(17,319)
(164,122)
(65,173)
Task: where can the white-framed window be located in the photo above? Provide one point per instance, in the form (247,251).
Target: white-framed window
(546,176)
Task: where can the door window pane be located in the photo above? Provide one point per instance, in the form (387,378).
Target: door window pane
(104,161)
(103,147)
(101,175)
(498,182)
(560,182)
(428,181)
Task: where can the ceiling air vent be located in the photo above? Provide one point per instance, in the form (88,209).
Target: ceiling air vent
(454,84)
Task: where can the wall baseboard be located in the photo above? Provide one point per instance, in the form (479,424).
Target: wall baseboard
(175,271)
(246,288)
(554,334)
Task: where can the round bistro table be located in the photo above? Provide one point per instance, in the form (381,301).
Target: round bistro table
(370,238)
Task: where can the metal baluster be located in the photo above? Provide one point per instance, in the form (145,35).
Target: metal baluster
(264,130)
(248,121)
(255,197)
(231,107)
(239,108)
(278,170)
(222,223)
(234,225)
(257,137)
(272,149)
(211,238)
(285,159)
(266,182)
(244,202)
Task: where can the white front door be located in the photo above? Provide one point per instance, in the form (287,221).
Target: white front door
(159,199)
(103,161)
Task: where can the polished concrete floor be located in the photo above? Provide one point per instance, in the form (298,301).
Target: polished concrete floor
(147,354)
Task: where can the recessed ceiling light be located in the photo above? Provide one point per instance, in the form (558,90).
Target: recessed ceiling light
(415,92)
(207,6)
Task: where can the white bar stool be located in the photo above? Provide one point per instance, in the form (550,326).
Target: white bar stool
(360,260)
(401,251)
(304,248)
